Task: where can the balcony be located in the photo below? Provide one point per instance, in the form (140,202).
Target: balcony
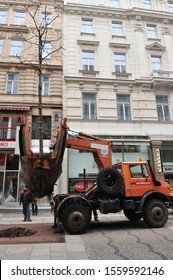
(162,74)
(7,133)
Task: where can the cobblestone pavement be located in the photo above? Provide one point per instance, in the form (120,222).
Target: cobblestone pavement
(120,239)
(112,238)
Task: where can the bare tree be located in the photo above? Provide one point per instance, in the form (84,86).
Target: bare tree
(40,38)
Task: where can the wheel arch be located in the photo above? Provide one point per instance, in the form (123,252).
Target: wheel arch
(153,195)
(72,200)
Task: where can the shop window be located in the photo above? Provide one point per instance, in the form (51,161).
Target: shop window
(12,162)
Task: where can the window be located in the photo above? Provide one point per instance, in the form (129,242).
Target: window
(162,108)
(1,43)
(120,62)
(3,16)
(147,4)
(89,106)
(123,107)
(87,25)
(46,19)
(46,122)
(138,171)
(117,28)
(16,47)
(152,32)
(114,3)
(46,51)
(45,85)
(12,83)
(156,63)
(88,60)
(170,6)
(19,18)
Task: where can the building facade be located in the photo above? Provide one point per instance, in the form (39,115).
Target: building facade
(118,81)
(113,78)
(19,53)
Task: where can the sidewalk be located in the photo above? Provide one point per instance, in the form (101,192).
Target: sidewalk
(71,249)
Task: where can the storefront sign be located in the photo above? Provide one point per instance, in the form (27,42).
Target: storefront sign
(7,144)
(79,186)
(159,164)
(168,169)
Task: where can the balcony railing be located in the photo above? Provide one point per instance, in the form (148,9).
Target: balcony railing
(162,74)
(7,133)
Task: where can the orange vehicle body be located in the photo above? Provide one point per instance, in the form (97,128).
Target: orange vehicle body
(130,187)
(138,186)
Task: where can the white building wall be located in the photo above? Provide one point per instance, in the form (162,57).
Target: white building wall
(142,84)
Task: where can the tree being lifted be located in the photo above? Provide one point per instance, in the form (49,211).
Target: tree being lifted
(45,48)
(40,172)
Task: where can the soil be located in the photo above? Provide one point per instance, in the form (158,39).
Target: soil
(30,233)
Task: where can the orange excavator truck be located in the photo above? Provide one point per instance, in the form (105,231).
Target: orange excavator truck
(127,186)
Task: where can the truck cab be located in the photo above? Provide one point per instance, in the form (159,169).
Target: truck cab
(138,179)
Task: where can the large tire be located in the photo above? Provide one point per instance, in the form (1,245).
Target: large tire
(109,181)
(76,218)
(155,213)
(132,216)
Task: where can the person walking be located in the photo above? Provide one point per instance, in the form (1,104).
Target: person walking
(26,199)
(35,206)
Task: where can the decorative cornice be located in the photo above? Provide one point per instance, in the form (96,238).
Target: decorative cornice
(119,45)
(14,28)
(156,47)
(88,43)
(105,11)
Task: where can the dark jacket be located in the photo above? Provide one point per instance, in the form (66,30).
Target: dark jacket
(26,197)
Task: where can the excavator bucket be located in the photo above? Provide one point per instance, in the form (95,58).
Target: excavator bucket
(41,174)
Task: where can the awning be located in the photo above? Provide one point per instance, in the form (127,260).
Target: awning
(14,108)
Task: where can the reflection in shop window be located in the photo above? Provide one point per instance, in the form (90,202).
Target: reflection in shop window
(12,162)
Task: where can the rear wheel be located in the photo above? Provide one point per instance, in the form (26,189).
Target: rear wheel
(76,218)
(109,181)
(155,213)
(132,216)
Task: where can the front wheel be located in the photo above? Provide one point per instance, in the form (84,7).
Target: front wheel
(76,218)
(155,213)
(132,216)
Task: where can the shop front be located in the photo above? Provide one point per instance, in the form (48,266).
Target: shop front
(10,181)
(167,162)
(9,176)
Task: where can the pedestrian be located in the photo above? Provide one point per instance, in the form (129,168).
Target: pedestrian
(35,206)
(26,199)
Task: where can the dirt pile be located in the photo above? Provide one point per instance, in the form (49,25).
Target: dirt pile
(16,232)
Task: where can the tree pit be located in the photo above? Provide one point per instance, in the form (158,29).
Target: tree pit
(16,232)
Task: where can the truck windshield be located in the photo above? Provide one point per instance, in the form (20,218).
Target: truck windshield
(138,171)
